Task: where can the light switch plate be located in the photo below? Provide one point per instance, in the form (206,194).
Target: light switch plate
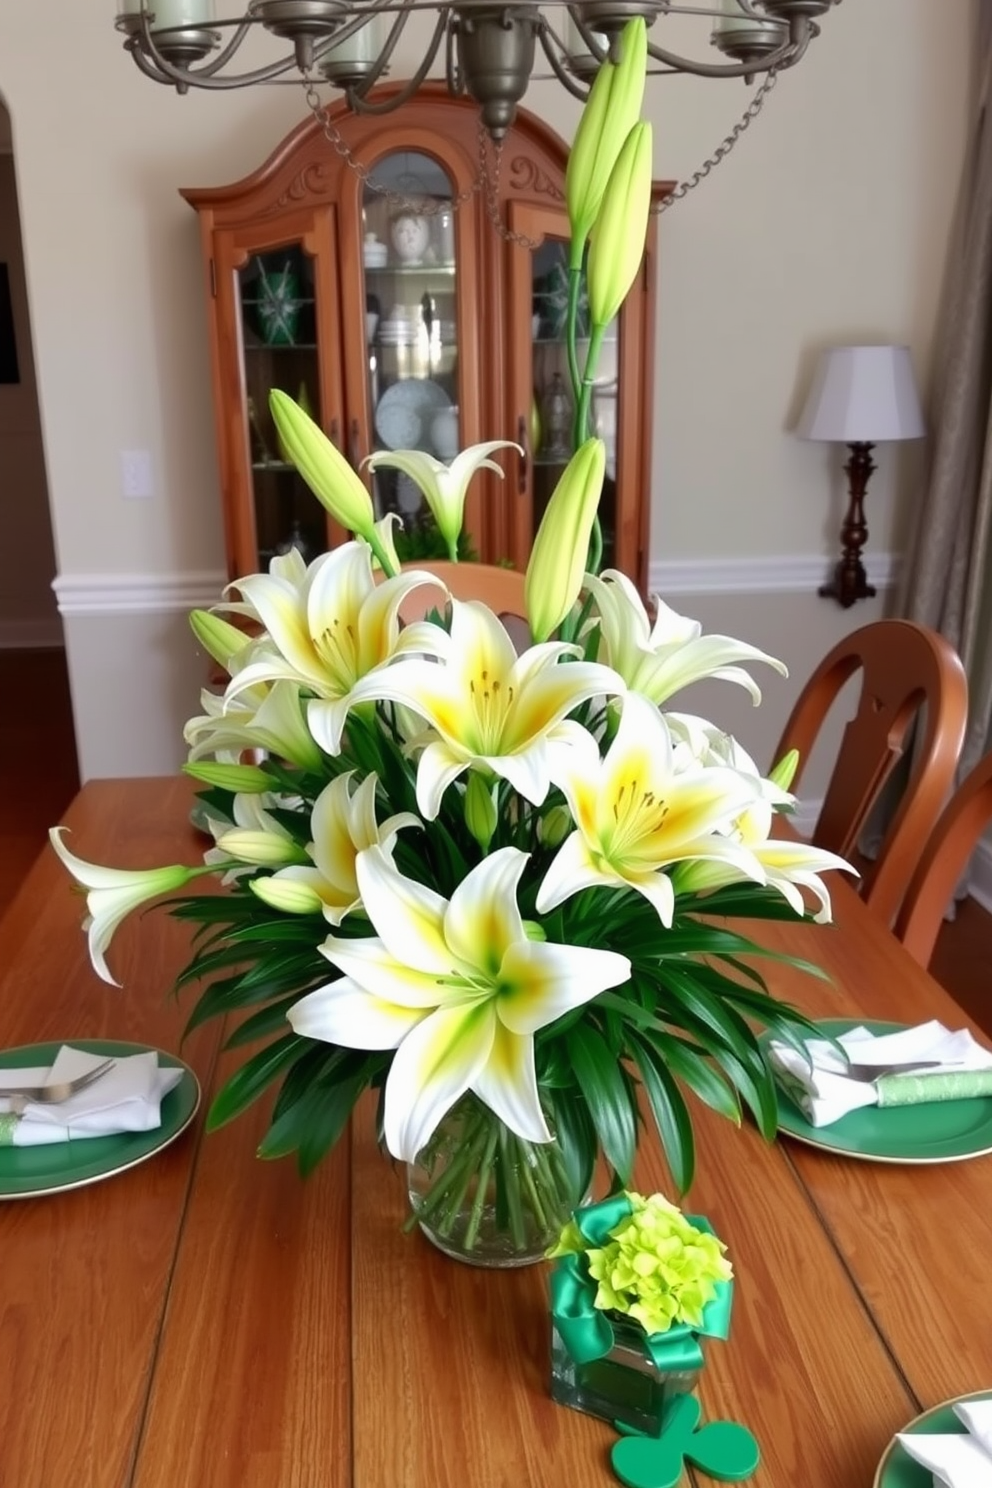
(136,473)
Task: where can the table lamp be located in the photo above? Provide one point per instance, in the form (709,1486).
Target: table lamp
(861,396)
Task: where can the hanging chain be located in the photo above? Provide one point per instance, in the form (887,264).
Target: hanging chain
(724,148)
(486,181)
(426,205)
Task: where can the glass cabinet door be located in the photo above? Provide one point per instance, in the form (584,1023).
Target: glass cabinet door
(279,338)
(410,273)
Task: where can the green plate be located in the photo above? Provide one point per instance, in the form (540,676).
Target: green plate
(943,1131)
(897,1469)
(28,1172)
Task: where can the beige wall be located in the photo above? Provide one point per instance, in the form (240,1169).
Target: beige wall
(828,223)
(28,614)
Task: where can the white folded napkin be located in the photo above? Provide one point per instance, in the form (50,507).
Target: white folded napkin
(824,1091)
(961,1461)
(127,1098)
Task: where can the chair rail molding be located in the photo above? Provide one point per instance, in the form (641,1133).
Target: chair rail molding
(150,593)
(775,573)
(137,593)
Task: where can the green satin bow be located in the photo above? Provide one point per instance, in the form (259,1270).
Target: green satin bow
(586,1330)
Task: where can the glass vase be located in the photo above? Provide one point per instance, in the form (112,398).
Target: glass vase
(485,1196)
(624,1385)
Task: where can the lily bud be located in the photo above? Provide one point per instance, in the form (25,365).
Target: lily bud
(554,826)
(784,772)
(612,109)
(480,809)
(263,849)
(219,638)
(558,557)
(288,895)
(246,780)
(325,470)
(617,243)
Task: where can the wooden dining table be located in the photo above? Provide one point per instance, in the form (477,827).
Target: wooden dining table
(211,1320)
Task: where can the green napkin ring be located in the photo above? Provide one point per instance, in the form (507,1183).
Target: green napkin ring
(920,1090)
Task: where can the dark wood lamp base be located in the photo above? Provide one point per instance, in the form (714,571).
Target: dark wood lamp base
(850,582)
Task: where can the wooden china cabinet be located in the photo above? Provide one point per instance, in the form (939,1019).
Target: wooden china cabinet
(400,327)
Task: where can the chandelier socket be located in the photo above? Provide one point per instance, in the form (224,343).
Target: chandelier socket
(750,43)
(299,18)
(610,16)
(496,58)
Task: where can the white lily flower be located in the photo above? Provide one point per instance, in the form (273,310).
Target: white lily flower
(112,893)
(457,989)
(708,745)
(660,659)
(789,866)
(328,626)
(491,709)
(262,717)
(636,814)
(343,824)
(444,486)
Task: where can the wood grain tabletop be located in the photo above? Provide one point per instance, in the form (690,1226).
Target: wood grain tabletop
(209,1320)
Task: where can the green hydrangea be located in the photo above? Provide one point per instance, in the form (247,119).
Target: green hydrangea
(657,1266)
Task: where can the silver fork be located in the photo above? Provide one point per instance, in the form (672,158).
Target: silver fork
(875,1071)
(52,1095)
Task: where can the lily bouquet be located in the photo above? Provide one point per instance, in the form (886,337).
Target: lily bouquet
(493,888)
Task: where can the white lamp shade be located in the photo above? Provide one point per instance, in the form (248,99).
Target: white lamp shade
(863,394)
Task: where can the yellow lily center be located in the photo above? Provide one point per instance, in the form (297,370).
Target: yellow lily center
(490,702)
(638,812)
(337,648)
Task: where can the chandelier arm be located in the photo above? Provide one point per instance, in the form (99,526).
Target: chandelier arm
(227,51)
(549,40)
(786,55)
(161,70)
(356,97)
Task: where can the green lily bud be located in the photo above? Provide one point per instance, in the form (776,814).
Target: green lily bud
(612,109)
(617,244)
(288,895)
(264,849)
(325,470)
(554,826)
(219,638)
(784,772)
(534,930)
(558,557)
(480,809)
(247,780)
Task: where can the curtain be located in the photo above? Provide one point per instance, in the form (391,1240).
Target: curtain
(948,583)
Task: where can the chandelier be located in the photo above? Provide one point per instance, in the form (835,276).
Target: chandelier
(489,48)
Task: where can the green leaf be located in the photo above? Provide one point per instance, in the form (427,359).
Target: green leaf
(612,1105)
(254,1077)
(690,1065)
(669,1111)
(268,1020)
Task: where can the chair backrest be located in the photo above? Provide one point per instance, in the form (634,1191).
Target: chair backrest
(943,860)
(502,589)
(905,668)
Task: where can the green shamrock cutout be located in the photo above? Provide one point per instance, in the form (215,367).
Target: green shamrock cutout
(722,1449)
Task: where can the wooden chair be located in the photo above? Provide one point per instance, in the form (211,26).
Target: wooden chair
(943,861)
(907,669)
(502,589)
